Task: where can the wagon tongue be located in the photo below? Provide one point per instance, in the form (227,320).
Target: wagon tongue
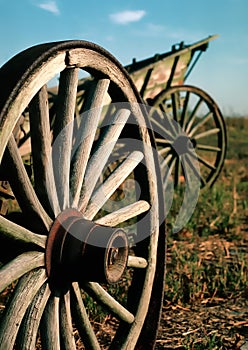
(81,250)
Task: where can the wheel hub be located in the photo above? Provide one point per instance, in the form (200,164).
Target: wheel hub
(182,145)
(81,250)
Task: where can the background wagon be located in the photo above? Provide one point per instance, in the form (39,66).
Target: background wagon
(183,113)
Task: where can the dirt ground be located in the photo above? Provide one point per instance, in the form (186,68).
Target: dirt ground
(224,323)
(212,323)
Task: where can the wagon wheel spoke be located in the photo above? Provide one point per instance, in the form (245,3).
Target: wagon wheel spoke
(103,193)
(193,115)
(164,151)
(66,327)
(163,142)
(63,129)
(137,262)
(18,233)
(103,297)
(89,124)
(50,332)
(41,152)
(175,106)
(160,129)
(203,121)
(101,154)
(164,146)
(167,160)
(28,333)
(194,168)
(19,266)
(191,173)
(167,167)
(187,207)
(25,291)
(169,123)
(177,171)
(185,167)
(124,214)
(207,148)
(82,320)
(185,111)
(22,186)
(207,133)
(204,162)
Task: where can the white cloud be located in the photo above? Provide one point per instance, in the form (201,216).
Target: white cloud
(126,17)
(50,6)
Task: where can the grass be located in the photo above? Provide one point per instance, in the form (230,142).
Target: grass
(207,259)
(204,270)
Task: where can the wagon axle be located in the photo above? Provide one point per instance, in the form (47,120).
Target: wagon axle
(81,250)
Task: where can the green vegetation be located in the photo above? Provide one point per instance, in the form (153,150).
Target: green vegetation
(207,261)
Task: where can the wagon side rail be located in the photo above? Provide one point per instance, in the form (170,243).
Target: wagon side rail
(154,74)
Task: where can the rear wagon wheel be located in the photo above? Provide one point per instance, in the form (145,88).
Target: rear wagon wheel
(189,126)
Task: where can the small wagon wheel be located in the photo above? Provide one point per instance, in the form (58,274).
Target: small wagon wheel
(66,249)
(189,124)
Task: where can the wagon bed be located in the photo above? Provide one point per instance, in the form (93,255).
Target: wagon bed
(161,71)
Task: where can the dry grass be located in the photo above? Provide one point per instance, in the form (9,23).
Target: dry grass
(206,287)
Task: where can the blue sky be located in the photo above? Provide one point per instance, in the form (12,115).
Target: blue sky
(141,28)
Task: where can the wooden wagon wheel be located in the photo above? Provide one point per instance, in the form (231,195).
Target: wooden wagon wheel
(63,250)
(189,125)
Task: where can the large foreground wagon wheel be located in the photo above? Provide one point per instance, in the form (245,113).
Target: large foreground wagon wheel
(73,245)
(189,125)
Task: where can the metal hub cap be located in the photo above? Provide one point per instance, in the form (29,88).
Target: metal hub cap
(81,250)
